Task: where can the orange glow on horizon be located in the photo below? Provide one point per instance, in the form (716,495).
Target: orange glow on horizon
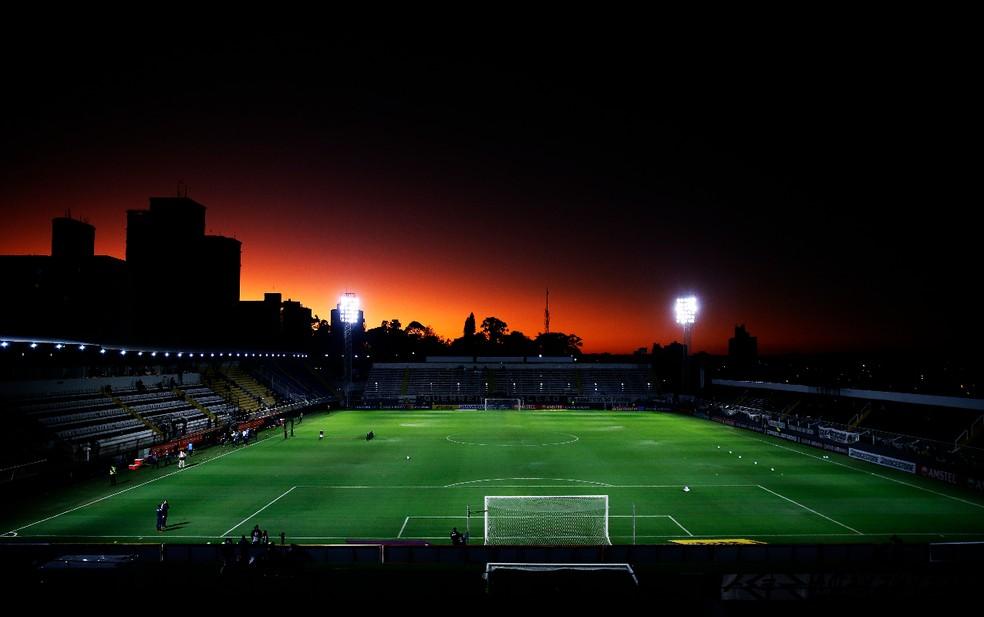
(407,270)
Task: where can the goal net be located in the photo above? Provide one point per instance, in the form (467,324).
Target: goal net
(503,403)
(547,519)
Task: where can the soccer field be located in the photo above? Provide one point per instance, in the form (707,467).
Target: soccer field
(742,485)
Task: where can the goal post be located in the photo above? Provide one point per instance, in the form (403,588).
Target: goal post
(503,403)
(573,520)
(519,579)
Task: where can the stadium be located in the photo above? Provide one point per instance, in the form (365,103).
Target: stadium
(559,315)
(539,460)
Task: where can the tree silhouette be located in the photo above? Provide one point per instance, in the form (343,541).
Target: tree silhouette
(494,329)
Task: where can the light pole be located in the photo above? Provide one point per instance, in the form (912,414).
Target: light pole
(348,313)
(686,315)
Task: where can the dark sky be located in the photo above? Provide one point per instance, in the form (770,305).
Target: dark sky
(813,185)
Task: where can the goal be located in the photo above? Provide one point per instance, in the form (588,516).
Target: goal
(576,579)
(547,519)
(503,403)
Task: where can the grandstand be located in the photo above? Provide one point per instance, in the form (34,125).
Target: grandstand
(534,380)
(921,432)
(108,421)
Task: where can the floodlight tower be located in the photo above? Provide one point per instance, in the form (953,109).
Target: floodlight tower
(348,313)
(686,315)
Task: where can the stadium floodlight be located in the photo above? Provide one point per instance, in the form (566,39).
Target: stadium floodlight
(34,345)
(348,308)
(59,346)
(81,347)
(686,314)
(4,344)
(686,310)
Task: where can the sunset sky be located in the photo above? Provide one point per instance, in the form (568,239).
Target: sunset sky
(807,187)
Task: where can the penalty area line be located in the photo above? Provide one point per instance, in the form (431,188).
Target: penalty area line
(275,500)
(811,510)
(685,530)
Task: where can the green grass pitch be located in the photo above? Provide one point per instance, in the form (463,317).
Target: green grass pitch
(345,488)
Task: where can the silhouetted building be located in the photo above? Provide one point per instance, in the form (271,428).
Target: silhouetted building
(219,268)
(185,284)
(272,324)
(296,324)
(742,348)
(71,295)
(259,322)
(72,238)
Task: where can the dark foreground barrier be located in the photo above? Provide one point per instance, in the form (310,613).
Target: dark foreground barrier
(707,573)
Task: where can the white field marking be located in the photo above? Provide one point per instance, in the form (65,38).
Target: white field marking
(560,514)
(685,530)
(517,445)
(238,525)
(168,475)
(811,510)
(461,485)
(877,475)
(405,521)
(680,486)
(507,479)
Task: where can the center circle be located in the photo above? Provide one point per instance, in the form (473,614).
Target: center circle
(526,439)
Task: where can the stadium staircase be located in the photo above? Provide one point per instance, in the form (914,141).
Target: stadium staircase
(861,416)
(973,435)
(191,401)
(405,383)
(134,414)
(239,388)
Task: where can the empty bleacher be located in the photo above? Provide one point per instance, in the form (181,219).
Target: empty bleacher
(107,422)
(437,382)
(240,389)
(288,383)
